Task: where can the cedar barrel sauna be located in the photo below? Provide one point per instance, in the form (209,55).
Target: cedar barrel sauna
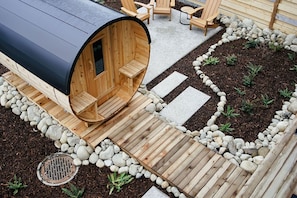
(82,55)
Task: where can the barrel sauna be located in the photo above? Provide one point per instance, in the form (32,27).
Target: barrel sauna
(87,58)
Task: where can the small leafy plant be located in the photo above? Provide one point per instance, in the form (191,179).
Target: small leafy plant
(292,56)
(16,185)
(294,68)
(226,127)
(211,61)
(116,181)
(254,69)
(274,47)
(73,192)
(248,81)
(231,59)
(239,91)
(286,93)
(251,44)
(247,107)
(266,100)
(230,112)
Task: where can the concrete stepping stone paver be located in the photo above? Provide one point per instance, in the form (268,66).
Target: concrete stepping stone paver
(154,192)
(185,105)
(168,84)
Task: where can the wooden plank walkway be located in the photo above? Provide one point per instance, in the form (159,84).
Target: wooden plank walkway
(194,169)
(177,158)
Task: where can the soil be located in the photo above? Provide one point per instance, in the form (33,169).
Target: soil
(22,148)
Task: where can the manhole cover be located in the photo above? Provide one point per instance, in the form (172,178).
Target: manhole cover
(56,169)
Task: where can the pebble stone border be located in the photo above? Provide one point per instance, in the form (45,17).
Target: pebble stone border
(244,154)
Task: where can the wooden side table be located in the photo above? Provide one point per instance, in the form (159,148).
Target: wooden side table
(187,10)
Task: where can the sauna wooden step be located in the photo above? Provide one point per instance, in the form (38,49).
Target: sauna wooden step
(82,101)
(132,69)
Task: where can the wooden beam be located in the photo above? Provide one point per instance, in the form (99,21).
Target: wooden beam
(273,14)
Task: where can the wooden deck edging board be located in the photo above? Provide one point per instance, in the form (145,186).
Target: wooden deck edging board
(170,154)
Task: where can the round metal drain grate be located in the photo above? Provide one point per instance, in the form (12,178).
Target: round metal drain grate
(56,169)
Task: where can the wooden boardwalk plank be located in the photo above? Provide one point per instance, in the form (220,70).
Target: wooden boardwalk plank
(203,170)
(228,182)
(278,171)
(89,129)
(175,156)
(49,105)
(187,173)
(166,150)
(217,180)
(139,121)
(289,185)
(137,104)
(240,180)
(173,151)
(213,179)
(122,130)
(151,157)
(200,182)
(180,170)
(142,143)
(141,135)
(157,147)
(187,154)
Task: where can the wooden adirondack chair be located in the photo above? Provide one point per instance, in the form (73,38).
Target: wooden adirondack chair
(209,12)
(129,7)
(162,7)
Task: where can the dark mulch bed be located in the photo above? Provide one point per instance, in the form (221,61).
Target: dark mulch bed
(22,148)
(274,76)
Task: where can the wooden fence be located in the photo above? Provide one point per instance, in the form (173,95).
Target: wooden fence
(275,14)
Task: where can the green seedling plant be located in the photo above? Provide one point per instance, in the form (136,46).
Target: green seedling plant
(226,128)
(211,61)
(251,44)
(230,112)
(231,59)
(286,93)
(248,81)
(292,56)
(275,47)
(247,107)
(294,68)
(16,185)
(254,69)
(117,181)
(239,91)
(266,100)
(73,191)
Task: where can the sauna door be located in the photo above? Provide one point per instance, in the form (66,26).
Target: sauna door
(99,76)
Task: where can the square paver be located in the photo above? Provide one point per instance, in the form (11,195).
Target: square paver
(154,192)
(185,105)
(168,84)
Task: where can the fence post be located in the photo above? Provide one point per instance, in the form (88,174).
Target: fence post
(273,15)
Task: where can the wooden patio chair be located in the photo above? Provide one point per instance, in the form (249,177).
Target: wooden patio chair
(209,12)
(162,7)
(129,7)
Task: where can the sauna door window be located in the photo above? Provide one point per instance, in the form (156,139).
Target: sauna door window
(98,57)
